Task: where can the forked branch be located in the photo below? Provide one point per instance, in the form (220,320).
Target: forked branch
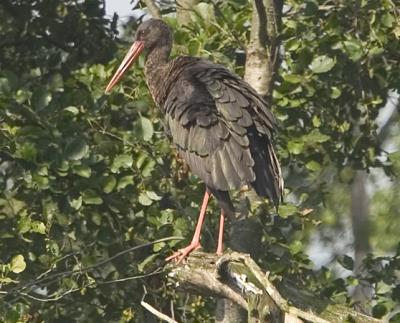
(237,277)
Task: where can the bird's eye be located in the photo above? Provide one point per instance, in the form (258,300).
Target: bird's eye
(141,33)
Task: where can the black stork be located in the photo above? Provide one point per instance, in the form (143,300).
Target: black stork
(218,123)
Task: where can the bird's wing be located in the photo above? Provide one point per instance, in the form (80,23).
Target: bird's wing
(223,129)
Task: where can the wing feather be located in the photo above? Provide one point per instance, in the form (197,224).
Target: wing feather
(222,128)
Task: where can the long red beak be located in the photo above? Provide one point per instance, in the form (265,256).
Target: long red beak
(133,53)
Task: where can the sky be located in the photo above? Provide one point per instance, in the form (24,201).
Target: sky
(122,7)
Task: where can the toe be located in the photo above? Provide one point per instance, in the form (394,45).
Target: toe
(183,253)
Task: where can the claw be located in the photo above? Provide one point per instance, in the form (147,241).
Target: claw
(181,254)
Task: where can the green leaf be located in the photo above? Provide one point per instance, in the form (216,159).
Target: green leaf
(375,51)
(322,64)
(311,8)
(353,48)
(24,224)
(144,128)
(82,170)
(313,166)
(206,12)
(387,20)
(147,261)
(109,184)
(27,151)
(9,82)
(144,199)
(91,197)
(292,78)
(7,280)
(395,160)
(17,264)
(379,310)
(76,149)
(336,92)
(316,121)
(56,82)
(148,167)
(96,218)
(315,136)
(38,226)
(346,262)
(166,217)
(152,195)
(292,44)
(286,210)
(76,203)
(41,98)
(158,246)
(295,247)
(121,161)
(295,147)
(72,110)
(124,182)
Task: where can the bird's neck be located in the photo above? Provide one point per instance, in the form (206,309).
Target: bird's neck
(156,68)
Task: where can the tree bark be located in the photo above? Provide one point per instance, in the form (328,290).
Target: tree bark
(153,8)
(228,311)
(360,217)
(262,61)
(237,277)
(360,225)
(262,52)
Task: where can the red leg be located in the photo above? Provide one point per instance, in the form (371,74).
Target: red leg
(221,233)
(182,253)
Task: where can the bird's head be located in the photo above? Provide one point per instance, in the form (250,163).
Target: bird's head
(150,34)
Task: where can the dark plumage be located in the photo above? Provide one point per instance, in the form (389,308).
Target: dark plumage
(221,127)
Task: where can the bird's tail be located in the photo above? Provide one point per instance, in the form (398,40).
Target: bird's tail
(277,172)
(269,180)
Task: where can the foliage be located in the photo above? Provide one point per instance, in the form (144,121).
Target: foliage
(337,70)
(86,175)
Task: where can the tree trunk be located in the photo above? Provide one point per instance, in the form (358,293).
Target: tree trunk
(262,52)
(363,293)
(360,225)
(261,64)
(153,9)
(228,311)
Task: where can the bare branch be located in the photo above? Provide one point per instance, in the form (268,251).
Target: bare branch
(160,315)
(159,270)
(237,277)
(54,277)
(204,282)
(50,299)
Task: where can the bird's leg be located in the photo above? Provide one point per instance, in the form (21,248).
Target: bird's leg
(182,253)
(220,245)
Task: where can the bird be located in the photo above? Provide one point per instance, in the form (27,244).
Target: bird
(218,123)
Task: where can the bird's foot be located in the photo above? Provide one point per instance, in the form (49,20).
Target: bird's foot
(181,254)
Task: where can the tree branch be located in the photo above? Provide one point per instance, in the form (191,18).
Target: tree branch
(46,279)
(237,277)
(157,313)
(153,8)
